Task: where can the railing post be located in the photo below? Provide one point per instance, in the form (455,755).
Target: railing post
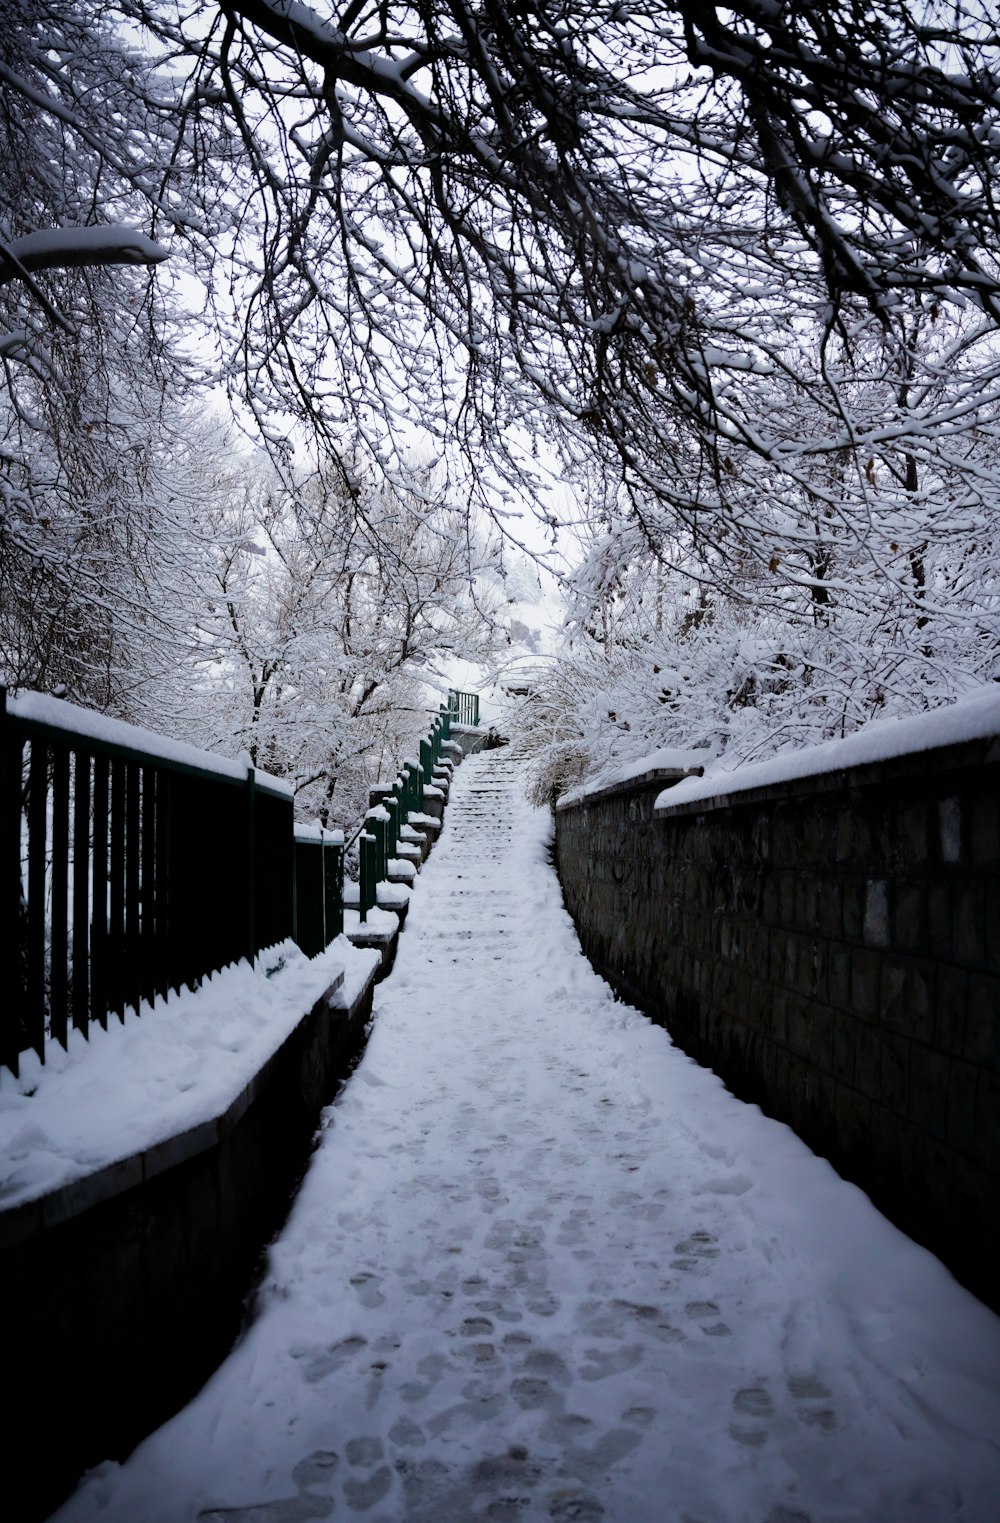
(99,897)
(366,886)
(415,785)
(59,939)
(150,906)
(250,865)
(376,829)
(132,959)
(81,892)
(11,892)
(117,891)
(322,887)
(333,885)
(391,806)
(38,769)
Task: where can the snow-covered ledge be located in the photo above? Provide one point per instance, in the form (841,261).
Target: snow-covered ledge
(660,768)
(879,743)
(117,1109)
(142,1176)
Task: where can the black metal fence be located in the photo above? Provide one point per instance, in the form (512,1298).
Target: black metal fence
(125,870)
(319,888)
(131,865)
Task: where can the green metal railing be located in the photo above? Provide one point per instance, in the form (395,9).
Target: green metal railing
(378,834)
(131,865)
(463,707)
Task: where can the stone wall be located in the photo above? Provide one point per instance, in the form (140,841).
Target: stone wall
(114,1316)
(831,948)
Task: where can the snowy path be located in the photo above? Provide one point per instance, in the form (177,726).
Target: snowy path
(544,1267)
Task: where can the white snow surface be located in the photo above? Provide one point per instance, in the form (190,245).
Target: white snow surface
(623,772)
(180,1062)
(90,725)
(317,832)
(543,1266)
(100,244)
(379,922)
(975,717)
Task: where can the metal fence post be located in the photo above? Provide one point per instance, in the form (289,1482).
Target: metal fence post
(415,785)
(333,885)
(391,807)
(250,865)
(366,886)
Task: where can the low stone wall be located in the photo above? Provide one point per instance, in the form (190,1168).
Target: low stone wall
(831,947)
(468,739)
(114,1317)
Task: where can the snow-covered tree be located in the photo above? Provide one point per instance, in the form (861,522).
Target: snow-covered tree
(742,261)
(326,613)
(92,417)
(494,218)
(870,586)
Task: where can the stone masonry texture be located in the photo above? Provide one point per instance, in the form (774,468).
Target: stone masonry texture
(831,948)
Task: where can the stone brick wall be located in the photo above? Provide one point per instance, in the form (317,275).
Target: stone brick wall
(116,1315)
(831,948)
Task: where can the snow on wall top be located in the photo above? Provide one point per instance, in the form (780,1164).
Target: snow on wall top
(670,760)
(61,715)
(148,1079)
(976,717)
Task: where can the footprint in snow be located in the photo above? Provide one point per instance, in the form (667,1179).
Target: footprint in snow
(475,1327)
(364,1451)
(319,1363)
(360,1495)
(366,1285)
(706,1313)
(694,1249)
(531,1392)
(753,1408)
(812,1400)
(407,1434)
(603,1363)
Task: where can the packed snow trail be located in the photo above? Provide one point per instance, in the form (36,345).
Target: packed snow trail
(545,1267)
